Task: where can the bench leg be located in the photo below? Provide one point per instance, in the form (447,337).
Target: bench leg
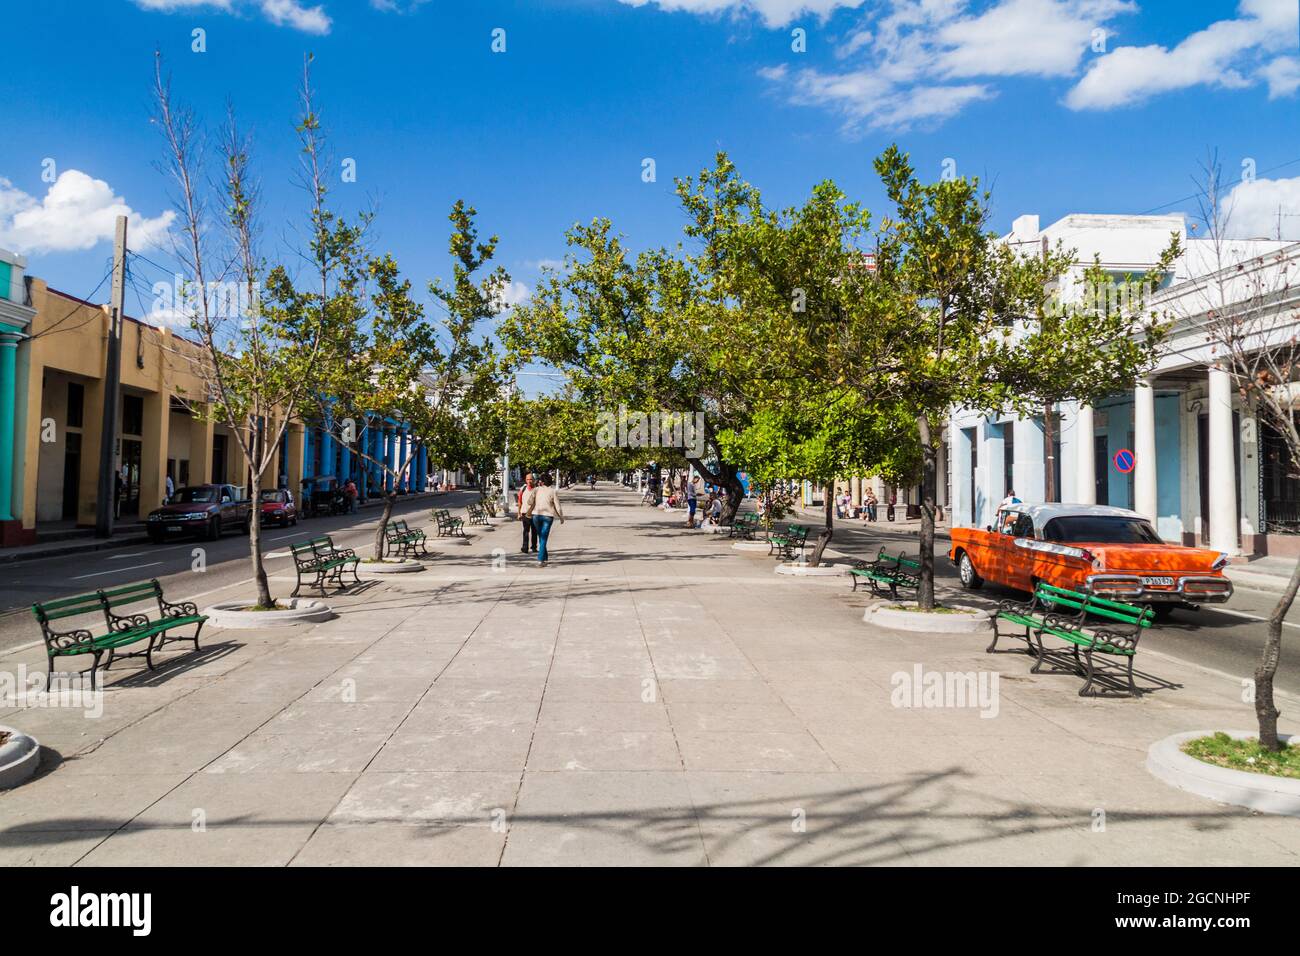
(296,587)
(1091,674)
(1132,687)
(1040,656)
(996,634)
(197,631)
(94,668)
(355,565)
(148,651)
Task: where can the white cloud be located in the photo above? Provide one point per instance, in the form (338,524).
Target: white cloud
(923,61)
(515,293)
(1257,209)
(290,13)
(774,13)
(77,213)
(1282,76)
(1226,54)
(294,14)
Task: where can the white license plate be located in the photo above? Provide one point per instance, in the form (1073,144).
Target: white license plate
(1158,582)
(173,527)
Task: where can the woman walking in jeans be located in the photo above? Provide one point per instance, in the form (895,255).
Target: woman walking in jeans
(542,505)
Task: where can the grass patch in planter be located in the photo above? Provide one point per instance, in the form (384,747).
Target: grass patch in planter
(1222,750)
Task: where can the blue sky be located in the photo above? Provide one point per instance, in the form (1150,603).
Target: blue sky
(1059,105)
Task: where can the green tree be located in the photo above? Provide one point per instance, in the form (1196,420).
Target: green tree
(260,359)
(820,439)
(431,376)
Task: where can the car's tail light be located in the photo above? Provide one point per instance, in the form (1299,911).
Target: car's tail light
(1220,563)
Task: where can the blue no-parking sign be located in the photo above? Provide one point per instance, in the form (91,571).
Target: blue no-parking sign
(1124,460)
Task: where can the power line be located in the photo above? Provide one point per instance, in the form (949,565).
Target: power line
(85,300)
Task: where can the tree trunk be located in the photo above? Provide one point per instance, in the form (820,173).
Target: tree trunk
(255,540)
(1265,709)
(929,480)
(380,541)
(724,477)
(827,533)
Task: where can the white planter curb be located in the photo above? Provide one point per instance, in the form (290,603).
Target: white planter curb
(20,755)
(1258,791)
(808,571)
(227,614)
(390,567)
(969,620)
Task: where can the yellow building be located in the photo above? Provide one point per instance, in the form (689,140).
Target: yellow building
(57,379)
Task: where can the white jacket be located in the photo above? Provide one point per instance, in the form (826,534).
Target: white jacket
(542,501)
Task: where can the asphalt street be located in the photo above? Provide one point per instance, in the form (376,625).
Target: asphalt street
(173,563)
(1227,637)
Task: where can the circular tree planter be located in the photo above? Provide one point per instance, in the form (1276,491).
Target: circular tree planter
(808,571)
(235,615)
(752,546)
(953,619)
(20,755)
(1258,791)
(391,566)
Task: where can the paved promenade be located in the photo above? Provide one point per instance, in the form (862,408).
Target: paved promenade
(653,697)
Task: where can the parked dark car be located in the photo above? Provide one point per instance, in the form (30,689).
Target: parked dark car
(278,507)
(203,510)
(323,495)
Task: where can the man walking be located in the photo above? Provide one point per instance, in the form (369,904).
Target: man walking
(524,519)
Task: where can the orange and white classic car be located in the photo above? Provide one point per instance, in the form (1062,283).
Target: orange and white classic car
(1095,549)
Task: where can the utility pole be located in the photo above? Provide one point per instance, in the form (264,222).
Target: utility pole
(107,496)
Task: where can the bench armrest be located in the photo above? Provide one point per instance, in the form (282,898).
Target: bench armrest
(179,609)
(118,623)
(65,640)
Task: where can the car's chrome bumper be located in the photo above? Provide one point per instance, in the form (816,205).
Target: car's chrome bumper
(1193,589)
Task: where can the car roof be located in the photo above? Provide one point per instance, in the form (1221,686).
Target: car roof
(1043,513)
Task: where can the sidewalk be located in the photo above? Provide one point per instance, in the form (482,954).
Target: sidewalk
(653,697)
(132,534)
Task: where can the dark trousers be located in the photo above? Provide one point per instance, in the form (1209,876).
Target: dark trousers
(530,535)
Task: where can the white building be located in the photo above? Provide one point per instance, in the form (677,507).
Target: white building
(1204,471)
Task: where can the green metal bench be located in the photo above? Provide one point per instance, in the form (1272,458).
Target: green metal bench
(408,541)
(447,525)
(477,514)
(123,630)
(1063,614)
(320,558)
(886,574)
(788,543)
(745,525)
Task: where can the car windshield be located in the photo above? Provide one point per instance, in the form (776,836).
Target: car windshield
(273,495)
(1103,529)
(195,496)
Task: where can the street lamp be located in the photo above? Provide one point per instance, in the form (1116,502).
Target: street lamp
(507,392)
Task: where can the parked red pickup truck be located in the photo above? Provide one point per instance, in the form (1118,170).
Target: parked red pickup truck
(204,510)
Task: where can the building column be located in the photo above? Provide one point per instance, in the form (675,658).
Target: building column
(296,435)
(403,454)
(1144,451)
(153,451)
(390,456)
(1085,457)
(327,445)
(8,373)
(1223,467)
